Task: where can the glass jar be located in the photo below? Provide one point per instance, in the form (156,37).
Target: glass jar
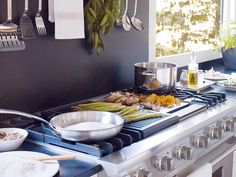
(184,78)
(193,78)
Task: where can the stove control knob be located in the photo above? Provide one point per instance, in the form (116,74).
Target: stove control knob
(228,126)
(215,132)
(184,152)
(140,172)
(164,163)
(201,141)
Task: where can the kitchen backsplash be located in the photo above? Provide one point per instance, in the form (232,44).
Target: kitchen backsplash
(52,72)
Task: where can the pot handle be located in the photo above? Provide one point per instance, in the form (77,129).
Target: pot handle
(8,111)
(148,73)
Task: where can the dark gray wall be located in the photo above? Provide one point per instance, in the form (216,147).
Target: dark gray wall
(52,72)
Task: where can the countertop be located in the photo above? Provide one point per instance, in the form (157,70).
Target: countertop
(68,168)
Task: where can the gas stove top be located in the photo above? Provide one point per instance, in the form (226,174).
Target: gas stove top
(192,103)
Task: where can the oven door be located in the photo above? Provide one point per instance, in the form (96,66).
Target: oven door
(223,165)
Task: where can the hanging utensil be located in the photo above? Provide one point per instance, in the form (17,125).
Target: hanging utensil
(26,25)
(39,21)
(9,33)
(137,23)
(125,19)
(66,126)
(121,10)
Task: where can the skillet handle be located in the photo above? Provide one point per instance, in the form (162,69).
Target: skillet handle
(8,111)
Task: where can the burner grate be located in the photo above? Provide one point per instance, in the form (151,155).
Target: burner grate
(43,134)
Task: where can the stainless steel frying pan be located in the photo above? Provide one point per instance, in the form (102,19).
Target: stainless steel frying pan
(59,124)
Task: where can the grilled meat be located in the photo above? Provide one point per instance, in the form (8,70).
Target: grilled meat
(2,135)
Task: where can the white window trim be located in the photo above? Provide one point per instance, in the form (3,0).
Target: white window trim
(181,59)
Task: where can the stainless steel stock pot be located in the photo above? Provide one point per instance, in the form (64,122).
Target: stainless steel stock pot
(155,75)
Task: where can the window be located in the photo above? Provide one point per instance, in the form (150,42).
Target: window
(180,57)
(186,25)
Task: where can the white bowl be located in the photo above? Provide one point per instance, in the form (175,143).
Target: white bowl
(9,145)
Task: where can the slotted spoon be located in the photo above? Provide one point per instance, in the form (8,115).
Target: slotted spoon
(125,19)
(137,23)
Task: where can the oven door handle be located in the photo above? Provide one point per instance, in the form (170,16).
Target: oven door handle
(222,156)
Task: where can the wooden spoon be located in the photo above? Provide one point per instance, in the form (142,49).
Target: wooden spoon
(57,157)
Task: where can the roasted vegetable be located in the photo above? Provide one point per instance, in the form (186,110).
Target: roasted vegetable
(100,106)
(141,116)
(129,110)
(129,113)
(166,101)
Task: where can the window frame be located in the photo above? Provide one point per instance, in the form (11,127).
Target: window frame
(180,59)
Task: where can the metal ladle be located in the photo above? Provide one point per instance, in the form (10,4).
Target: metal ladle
(125,19)
(137,23)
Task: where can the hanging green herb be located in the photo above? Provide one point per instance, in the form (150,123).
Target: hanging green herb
(100,16)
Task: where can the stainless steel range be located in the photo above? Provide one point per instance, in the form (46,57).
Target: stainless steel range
(190,136)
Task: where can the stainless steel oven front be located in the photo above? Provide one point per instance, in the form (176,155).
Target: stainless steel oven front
(214,144)
(221,158)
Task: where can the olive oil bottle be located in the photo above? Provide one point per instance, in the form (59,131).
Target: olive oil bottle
(193,72)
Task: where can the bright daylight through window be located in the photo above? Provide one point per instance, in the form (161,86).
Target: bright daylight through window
(186,25)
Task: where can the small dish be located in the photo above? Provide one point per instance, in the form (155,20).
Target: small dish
(22,164)
(229,85)
(216,78)
(214,75)
(230,88)
(12,143)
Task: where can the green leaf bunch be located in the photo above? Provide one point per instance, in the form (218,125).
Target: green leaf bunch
(228,35)
(100,16)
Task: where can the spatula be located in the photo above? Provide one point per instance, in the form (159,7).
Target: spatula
(26,25)
(39,21)
(9,33)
